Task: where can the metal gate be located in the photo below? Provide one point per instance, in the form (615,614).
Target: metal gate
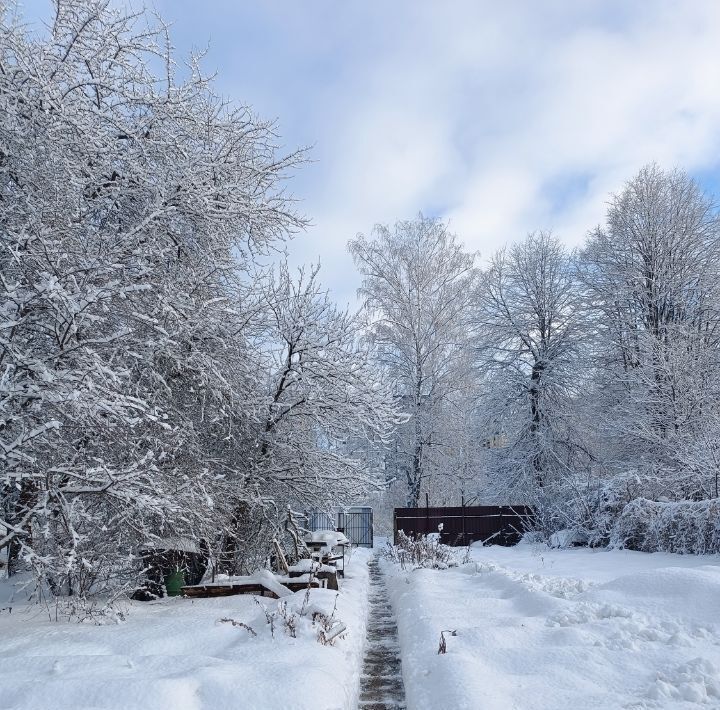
(357,524)
(319,520)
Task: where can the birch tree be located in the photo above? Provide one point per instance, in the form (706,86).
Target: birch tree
(418,284)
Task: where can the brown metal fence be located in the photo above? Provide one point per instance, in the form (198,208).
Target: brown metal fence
(461,525)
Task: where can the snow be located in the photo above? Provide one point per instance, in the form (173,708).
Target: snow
(541,629)
(566,538)
(329,537)
(310,566)
(263,577)
(181,544)
(536,629)
(176,653)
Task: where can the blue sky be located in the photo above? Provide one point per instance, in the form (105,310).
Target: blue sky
(499,117)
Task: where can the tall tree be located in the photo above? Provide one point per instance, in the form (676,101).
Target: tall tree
(322,394)
(129,204)
(653,277)
(530,328)
(418,285)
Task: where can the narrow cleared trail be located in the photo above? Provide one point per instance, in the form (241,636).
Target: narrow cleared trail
(381,683)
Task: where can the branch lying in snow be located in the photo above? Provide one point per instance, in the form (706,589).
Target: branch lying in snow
(442,648)
(326,638)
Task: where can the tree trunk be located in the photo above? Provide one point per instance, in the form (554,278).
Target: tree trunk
(415,477)
(535,423)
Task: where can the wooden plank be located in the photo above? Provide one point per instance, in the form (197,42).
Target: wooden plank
(299,586)
(226,590)
(204,591)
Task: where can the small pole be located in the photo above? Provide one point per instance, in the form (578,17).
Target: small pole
(462,503)
(427,513)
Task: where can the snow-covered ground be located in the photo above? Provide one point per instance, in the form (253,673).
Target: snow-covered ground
(537,629)
(176,653)
(542,629)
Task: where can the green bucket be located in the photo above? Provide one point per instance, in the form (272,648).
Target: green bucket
(174,582)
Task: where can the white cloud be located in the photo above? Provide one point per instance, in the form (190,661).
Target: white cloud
(502,117)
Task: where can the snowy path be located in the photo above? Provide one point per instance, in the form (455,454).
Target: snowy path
(541,629)
(381,684)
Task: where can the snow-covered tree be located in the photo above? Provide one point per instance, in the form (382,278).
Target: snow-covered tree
(321,394)
(418,285)
(318,406)
(530,330)
(155,379)
(653,279)
(130,204)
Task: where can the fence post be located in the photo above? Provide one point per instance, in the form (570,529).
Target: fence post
(427,513)
(464,533)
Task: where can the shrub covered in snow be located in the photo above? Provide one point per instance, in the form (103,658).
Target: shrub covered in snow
(590,514)
(567,538)
(421,551)
(690,527)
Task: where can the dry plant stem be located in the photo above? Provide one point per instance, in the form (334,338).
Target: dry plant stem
(239,624)
(442,648)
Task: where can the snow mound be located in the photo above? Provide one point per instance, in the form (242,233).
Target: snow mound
(567,538)
(696,681)
(561,587)
(587,613)
(696,592)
